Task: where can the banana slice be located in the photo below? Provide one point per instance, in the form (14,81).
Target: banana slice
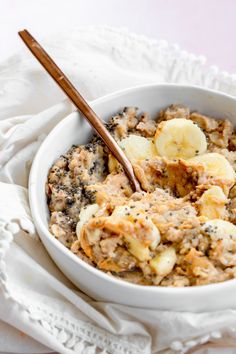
(153,235)
(164,262)
(179,138)
(212,203)
(85,214)
(223,240)
(219,229)
(121,211)
(216,165)
(140,250)
(136,248)
(138,148)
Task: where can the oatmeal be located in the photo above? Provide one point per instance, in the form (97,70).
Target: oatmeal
(181,229)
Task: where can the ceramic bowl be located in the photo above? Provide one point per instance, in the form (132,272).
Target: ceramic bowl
(74,129)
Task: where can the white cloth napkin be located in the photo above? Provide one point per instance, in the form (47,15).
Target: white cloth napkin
(40,310)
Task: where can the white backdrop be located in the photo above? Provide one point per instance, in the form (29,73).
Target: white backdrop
(203,26)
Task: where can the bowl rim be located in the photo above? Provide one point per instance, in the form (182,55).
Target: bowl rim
(151,289)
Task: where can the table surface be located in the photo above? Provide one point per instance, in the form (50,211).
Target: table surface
(202,27)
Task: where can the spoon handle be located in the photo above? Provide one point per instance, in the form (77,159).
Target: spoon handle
(55,72)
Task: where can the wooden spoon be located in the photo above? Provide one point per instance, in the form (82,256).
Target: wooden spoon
(66,86)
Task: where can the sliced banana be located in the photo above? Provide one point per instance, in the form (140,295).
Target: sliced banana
(85,214)
(223,240)
(216,165)
(212,203)
(135,246)
(121,211)
(179,138)
(219,229)
(164,262)
(154,234)
(138,148)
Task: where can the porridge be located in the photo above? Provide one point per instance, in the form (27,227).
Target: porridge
(181,229)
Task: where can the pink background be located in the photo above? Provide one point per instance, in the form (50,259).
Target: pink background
(201,26)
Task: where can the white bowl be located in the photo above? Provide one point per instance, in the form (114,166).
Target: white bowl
(75,130)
